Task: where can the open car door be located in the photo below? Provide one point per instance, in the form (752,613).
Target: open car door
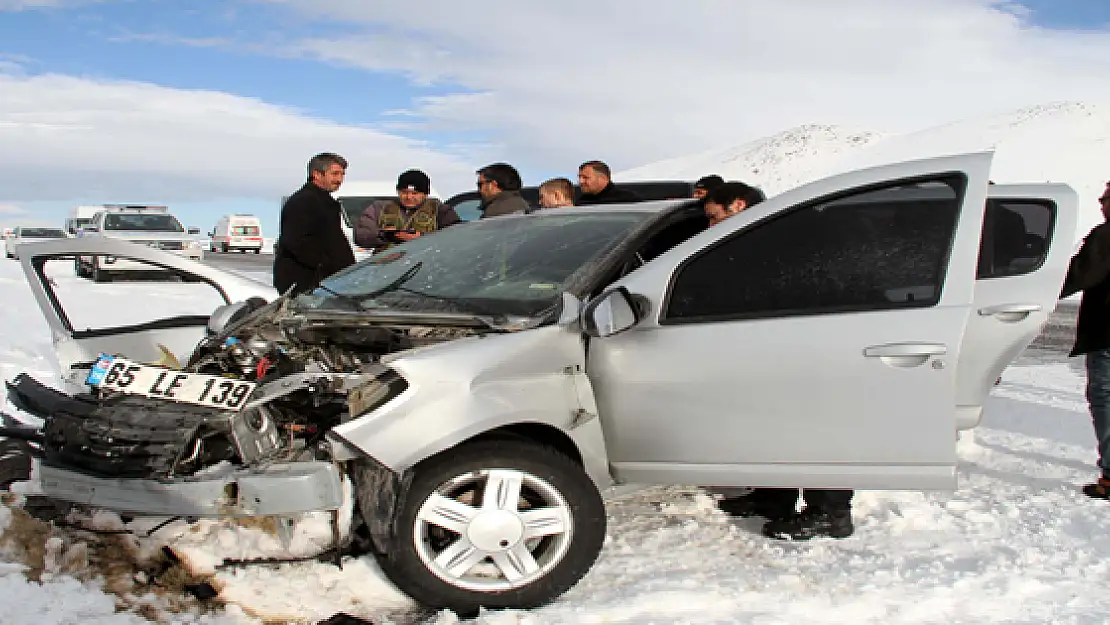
(810,341)
(141,319)
(1027,242)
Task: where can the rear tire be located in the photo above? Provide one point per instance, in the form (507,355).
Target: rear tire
(496,538)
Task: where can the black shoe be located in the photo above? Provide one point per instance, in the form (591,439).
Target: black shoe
(1098,490)
(769,505)
(810,524)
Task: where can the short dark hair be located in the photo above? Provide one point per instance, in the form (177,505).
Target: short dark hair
(597,166)
(710,182)
(323,160)
(729,192)
(505,175)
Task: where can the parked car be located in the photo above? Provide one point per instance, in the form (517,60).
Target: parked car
(27,234)
(152,226)
(242,233)
(466,203)
(481,387)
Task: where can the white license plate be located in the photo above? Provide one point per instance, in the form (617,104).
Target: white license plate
(122,375)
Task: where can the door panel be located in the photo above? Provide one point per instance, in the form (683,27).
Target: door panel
(1026,246)
(808,341)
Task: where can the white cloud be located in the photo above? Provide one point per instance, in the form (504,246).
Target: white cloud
(560,82)
(99,141)
(11,210)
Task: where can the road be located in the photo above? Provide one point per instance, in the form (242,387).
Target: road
(243,263)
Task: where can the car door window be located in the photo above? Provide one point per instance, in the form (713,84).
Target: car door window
(875,249)
(142,295)
(1017,235)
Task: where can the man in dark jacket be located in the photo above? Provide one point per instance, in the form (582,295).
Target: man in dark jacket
(311,245)
(499,185)
(411,214)
(595,179)
(1089,272)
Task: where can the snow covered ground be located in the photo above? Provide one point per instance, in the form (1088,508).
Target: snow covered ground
(1016,543)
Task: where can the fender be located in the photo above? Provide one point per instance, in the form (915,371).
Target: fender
(464,388)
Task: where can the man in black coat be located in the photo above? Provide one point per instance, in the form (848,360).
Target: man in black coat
(311,245)
(1089,272)
(596,180)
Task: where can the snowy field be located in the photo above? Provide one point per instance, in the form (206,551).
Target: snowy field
(1017,543)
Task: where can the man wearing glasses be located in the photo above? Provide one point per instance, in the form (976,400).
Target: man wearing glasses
(499,185)
(1089,272)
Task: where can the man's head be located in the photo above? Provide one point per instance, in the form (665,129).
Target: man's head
(413,188)
(498,177)
(706,184)
(729,199)
(326,170)
(556,193)
(593,176)
(1104,202)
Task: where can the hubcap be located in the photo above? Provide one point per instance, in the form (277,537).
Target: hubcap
(493,530)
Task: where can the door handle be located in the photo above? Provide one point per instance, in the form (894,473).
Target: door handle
(895,350)
(1009,309)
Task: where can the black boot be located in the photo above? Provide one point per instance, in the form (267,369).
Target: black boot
(769,503)
(810,523)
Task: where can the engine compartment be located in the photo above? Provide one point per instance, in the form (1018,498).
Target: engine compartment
(313,371)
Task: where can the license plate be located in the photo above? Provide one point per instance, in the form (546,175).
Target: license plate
(124,376)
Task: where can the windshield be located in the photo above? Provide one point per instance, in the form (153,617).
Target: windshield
(354,207)
(513,266)
(150,222)
(41,233)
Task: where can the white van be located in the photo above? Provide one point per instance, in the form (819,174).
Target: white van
(237,232)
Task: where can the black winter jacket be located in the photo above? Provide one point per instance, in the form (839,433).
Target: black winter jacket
(1089,272)
(311,245)
(611,194)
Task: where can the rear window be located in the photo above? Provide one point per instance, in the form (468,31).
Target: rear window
(245,231)
(41,233)
(1016,237)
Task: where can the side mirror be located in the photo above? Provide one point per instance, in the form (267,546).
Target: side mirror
(611,313)
(212,233)
(194,230)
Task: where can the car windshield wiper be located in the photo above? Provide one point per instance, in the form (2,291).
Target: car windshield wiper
(358,298)
(457,301)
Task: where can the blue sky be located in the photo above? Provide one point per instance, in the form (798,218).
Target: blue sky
(473,91)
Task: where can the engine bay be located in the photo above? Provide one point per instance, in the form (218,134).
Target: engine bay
(312,370)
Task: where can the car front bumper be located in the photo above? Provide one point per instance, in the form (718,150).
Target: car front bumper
(278,489)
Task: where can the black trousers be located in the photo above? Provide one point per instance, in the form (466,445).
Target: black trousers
(817,499)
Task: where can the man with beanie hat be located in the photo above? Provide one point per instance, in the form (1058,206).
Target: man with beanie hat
(706,184)
(389,222)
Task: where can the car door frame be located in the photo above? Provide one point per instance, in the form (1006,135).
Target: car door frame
(1014,311)
(651,287)
(231,287)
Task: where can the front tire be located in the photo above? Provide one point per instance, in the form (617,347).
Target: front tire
(494,524)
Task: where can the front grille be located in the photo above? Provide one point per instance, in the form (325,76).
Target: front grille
(125,437)
(163,245)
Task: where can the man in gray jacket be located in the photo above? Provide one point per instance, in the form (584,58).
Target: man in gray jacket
(412,214)
(499,185)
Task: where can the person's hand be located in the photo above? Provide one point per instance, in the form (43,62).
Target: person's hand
(407,236)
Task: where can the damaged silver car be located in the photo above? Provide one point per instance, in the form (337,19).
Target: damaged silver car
(481,387)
